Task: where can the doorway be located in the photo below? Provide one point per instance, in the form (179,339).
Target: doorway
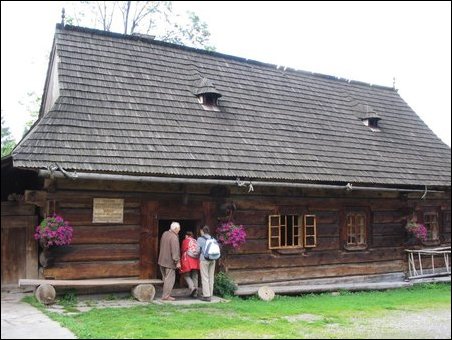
(185,225)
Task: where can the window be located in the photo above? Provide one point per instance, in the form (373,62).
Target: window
(286,231)
(432,226)
(355,230)
(209,99)
(310,231)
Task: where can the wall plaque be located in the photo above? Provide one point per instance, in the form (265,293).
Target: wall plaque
(108,210)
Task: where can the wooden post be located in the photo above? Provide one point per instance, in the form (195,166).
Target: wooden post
(144,292)
(266,293)
(45,294)
(208,212)
(149,240)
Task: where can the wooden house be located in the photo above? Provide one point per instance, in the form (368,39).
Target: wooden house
(134,133)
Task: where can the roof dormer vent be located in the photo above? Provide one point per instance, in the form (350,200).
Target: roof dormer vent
(207,93)
(366,114)
(371,119)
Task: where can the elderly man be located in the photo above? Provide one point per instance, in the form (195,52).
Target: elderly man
(169,259)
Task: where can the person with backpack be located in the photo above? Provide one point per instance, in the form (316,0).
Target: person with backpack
(210,252)
(190,252)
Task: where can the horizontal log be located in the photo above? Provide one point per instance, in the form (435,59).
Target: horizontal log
(303,289)
(85,216)
(256,204)
(297,273)
(328,230)
(13,208)
(89,282)
(76,270)
(247,217)
(256,231)
(76,202)
(390,229)
(254,246)
(126,188)
(311,258)
(387,240)
(106,234)
(86,253)
(326,217)
(327,243)
(387,216)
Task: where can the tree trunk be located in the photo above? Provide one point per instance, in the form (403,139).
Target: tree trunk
(45,294)
(266,293)
(144,292)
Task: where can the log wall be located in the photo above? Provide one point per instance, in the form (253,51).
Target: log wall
(113,250)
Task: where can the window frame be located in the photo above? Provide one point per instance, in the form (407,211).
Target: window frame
(363,211)
(278,221)
(313,234)
(434,211)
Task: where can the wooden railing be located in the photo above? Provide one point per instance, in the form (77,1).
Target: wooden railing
(417,270)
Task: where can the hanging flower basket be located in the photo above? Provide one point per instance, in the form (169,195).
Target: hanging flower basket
(416,230)
(53,231)
(230,234)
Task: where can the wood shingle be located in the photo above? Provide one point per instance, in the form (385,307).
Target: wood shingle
(127,105)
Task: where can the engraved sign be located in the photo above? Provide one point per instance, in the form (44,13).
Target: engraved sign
(108,210)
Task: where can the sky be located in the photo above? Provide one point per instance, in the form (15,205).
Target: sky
(373,42)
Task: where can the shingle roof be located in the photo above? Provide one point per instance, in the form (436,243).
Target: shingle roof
(204,85)
(127,105)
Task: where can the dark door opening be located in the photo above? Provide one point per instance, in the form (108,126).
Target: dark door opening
(185,225)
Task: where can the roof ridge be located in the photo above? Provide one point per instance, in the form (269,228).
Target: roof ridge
(219,54)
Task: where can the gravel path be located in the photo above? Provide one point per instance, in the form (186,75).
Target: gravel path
(425,324)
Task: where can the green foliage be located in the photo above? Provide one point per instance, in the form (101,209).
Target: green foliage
(148,17)
(31,104)
(68,299)
(8,142)
(316,316)
(224,285)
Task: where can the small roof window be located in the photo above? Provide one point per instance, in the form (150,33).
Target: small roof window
(371,120)
(207,94)
(366,114)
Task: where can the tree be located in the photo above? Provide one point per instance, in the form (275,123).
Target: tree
(31,104)
(155,17)
(8,142)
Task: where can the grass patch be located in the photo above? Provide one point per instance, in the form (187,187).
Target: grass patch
(306,316)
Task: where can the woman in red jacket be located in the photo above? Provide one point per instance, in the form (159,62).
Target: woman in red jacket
(190,262)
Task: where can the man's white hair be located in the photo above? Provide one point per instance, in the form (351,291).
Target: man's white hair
(175,226)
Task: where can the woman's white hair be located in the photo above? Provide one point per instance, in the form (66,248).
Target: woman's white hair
(175,226)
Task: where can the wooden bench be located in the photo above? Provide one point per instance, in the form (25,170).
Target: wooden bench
(142,289)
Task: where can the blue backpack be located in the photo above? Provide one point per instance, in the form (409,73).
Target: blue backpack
(211,249)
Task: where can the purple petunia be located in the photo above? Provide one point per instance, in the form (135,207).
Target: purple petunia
(417,229)
(54,231)
(231,234)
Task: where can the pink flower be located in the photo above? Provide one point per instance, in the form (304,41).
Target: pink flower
(231,234)
(54,230)
(417,229)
